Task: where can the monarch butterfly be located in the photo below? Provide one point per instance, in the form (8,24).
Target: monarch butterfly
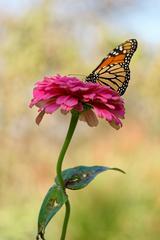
(113,71)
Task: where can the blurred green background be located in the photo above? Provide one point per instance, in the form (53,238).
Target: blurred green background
(48,37)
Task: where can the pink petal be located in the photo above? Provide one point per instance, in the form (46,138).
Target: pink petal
(71,101)
(51,108)
(103,113)
(61,99)
(66,108)
(111,106)
(67,100)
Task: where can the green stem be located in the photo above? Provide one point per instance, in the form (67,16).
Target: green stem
(72,126)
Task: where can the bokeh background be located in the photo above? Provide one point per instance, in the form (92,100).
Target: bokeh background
(45,37)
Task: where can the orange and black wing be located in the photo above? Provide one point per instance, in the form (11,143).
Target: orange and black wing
(114,71)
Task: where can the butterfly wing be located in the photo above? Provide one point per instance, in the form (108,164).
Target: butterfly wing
(114,71)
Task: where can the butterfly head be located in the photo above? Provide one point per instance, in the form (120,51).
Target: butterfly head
(92,78)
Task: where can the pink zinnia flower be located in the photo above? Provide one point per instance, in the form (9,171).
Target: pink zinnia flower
(68,93)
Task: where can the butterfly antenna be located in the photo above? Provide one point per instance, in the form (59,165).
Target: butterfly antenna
(74,74)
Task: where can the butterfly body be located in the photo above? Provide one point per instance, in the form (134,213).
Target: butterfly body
(113,71)
(92,77)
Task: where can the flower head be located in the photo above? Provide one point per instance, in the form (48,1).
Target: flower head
(68,93)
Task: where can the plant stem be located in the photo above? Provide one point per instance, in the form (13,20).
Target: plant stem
(72,126)
(66,219)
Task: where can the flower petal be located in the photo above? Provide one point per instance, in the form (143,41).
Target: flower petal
(51,108)
(103,113)
(40,117)
(69,93)
(89,117)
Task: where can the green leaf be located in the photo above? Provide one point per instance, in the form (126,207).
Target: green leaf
(79,177)
(52,203)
